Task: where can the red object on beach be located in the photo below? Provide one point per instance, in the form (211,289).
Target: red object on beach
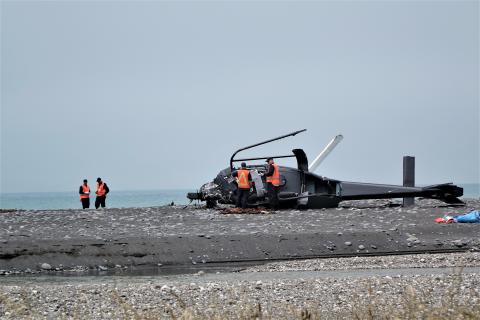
(447,219)
(440,220)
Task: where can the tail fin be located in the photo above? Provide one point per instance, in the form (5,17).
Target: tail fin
(447,192)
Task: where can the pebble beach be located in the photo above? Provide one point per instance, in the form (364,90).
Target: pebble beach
(360,263)
(435,285)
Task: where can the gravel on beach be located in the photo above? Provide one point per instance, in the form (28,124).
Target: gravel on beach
(450,260)
(285,290)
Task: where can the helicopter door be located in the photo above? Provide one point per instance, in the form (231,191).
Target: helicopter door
(258,183)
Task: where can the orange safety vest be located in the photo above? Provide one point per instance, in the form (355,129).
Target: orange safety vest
(275,178)
(85,188)
(242,176)
(100,190)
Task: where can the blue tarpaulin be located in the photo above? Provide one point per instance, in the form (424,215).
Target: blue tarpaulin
(471,217)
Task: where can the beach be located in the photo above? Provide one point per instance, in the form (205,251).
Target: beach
(174,261)
(187,237)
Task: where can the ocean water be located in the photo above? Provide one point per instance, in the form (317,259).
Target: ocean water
(124,199)
(71,200)
(471,190)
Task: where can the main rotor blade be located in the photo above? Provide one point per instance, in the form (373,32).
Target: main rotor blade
(325,152)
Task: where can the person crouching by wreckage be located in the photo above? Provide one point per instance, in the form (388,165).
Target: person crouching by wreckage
(273,183)
(244,182)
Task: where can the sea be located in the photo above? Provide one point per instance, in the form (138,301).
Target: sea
(126,199)
(71,199)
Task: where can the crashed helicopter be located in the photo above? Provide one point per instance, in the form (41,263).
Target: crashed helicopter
(303,189)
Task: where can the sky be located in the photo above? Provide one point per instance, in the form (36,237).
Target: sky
(158,95)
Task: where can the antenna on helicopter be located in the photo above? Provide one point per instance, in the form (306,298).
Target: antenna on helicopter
(325,152)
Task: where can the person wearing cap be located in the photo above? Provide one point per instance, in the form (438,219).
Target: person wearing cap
(102,190)
(85,194)
(273,183)
(244,183)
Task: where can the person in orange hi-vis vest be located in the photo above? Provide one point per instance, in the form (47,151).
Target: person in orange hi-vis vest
(85,194)
(102,190)
(244,183)
(273,183)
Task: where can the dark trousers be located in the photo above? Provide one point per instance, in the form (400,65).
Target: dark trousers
(85,203)
(100,201)
(272,192)
(242,198)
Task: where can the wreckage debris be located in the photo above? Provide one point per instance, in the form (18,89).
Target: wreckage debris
(470,217)
(245,211)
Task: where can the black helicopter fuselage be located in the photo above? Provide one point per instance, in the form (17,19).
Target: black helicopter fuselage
(300,188)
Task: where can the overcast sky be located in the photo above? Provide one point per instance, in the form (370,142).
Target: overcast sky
(158,95)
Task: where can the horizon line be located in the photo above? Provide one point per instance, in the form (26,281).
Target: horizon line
(188,189)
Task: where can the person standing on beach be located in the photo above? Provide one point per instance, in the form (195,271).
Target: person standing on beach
(273,183)
(244,183)
(102,190)
(85,194)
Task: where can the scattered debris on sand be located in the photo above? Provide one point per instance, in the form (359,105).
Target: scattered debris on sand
(245,211)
